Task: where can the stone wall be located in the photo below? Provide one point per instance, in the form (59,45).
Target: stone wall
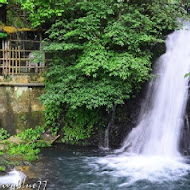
(20,107)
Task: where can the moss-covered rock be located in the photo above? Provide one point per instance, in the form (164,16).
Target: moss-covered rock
(2,168)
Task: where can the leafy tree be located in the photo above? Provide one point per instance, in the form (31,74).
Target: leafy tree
(101,56)
(3,2)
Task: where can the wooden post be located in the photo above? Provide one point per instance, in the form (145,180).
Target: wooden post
(16,52)
(41,61)
(9,60)
(4,72)
(6,61)
(6,54)
(12,61)
(19,61)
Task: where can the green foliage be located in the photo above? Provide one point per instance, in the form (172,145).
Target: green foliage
(3,35)
(187,75)
(2,168)
(31,146)
(4,134)
(79,125)
(3,2)
(101,56)
(37,56)
(32,134)
(41,11)
(14,20)
(23,117)
(28,151)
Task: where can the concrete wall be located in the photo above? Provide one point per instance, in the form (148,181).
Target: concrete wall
(20,108)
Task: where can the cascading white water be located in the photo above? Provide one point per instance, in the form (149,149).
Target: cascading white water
(106,140)
(150,152)
(12,180)
(159,128)
(107,131)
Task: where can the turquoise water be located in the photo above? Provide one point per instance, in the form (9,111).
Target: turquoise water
(75,168)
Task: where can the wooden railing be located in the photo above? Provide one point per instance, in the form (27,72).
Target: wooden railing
(14,61)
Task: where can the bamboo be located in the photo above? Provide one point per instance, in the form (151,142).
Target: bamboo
(19,59)
(25,59)
(16,51)
(13,61)
(4,61)
(35,41)
(9,60)
(23,50)
(39,67)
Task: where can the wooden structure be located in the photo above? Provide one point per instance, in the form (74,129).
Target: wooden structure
(21,52)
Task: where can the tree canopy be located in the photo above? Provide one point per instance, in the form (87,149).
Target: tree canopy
(101,55)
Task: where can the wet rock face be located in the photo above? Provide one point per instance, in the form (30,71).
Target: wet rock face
(126,119)
(185,132)
(20,108)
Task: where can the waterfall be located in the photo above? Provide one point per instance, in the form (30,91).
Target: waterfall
(12,180)
(107,131)
(162,114)
(106,138)
(151,150)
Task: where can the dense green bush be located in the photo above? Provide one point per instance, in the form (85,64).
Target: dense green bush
(30,148)
(27,151)
(4,134)
(3,35)
(101,55)
(32,134)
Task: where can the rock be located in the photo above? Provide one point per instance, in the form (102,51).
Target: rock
(14,139)
(3,146)
(27,171)
(49,139)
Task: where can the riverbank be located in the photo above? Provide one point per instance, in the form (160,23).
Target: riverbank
(23,148)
